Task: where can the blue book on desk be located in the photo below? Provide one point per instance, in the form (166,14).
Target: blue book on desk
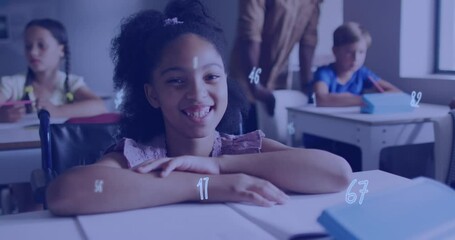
(424,209)
(379,103)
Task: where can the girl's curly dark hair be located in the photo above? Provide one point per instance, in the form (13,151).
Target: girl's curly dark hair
(137,50)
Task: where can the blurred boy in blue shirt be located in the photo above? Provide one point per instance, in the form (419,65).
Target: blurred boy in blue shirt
(341,83)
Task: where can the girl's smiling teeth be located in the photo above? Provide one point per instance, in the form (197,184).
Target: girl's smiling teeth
(198,112)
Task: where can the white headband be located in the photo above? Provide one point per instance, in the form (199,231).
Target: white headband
(172,21)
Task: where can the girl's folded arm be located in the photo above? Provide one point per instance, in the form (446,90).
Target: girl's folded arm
(106,187)
(294,169)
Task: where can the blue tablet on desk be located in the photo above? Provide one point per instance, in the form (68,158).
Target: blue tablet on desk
(380,103)
(423,209)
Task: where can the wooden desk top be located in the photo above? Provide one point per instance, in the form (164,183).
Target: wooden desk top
(425,112)
(21,138)
(23,134)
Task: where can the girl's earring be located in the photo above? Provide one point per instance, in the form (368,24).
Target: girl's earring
(155,104)
(151,96)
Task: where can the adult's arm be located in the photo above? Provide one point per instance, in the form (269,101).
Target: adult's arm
(250,25)
(307,48)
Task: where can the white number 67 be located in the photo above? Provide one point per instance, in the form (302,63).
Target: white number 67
(352,197)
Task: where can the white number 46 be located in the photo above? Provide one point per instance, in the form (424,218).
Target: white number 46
(254,75)
(351,197)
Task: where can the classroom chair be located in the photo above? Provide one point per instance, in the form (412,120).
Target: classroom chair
(443,147)
(112,117)
(66,145)
(5,200)
(276,126)
(232,125)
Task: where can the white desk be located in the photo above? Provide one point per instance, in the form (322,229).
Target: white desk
(39,225)
(371,132)
(20,152)
(196,221)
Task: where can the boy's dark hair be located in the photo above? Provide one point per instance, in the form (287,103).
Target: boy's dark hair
(349,33)
(137,50)
(58,31)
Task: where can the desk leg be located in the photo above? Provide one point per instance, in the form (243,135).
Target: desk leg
(293,132)
(290,139)
(371,141)
(370,156)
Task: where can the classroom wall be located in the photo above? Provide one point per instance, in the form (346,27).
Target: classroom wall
(402,33)
(331,17)
(92,24)
(226,12)
(19,13)
(399,28)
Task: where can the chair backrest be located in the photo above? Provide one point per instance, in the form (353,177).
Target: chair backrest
(275,127)
(79,144)
(67,145)
(443,134)
(111,117)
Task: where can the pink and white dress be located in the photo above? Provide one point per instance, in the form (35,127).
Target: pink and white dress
(137,153)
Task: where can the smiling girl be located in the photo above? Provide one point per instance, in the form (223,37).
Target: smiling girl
(179,104)
(62,94)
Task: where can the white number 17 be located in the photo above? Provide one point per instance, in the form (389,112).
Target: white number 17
(199,185)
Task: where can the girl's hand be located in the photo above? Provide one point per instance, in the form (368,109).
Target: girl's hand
(11,113)
(241,187)
(208,165)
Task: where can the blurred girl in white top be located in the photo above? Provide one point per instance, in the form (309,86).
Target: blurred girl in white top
(62,94)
